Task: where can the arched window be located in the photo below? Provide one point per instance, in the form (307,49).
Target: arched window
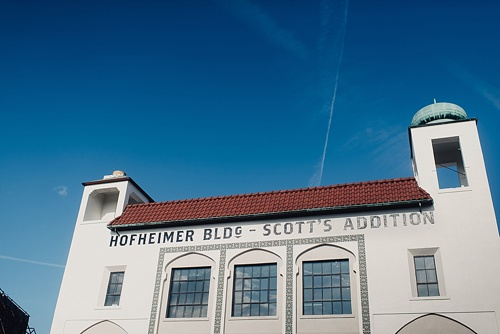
(188,294)
(255,291)
(327,289)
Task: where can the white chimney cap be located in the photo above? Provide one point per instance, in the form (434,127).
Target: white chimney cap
(116,174)
(119,173)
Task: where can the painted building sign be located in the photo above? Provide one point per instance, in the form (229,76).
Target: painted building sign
(272,230)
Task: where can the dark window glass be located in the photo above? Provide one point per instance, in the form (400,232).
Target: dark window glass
(114,289)
(326,287)
(188,297)
(425,271)
(254,292)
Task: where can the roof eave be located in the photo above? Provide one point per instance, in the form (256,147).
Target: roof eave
(267,215)
(433,124)
(120,179)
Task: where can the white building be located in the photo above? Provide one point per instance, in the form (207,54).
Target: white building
(412,255)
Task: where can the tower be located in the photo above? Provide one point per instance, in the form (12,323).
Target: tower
(106,199)
(447,158)
(102,201)
(448,163)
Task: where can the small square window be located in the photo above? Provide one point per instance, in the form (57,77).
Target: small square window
(114,290)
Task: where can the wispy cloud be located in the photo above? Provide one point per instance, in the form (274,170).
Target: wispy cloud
(16,259)
(333,21)
(492,96)
(484,89)
(389,146)
(257,18)
(387,150)
(61,190)
(326,26)
(379,135)
(315,179)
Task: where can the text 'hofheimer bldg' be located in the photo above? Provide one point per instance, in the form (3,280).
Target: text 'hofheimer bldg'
(407,255)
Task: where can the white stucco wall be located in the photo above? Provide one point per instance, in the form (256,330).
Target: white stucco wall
(460,230)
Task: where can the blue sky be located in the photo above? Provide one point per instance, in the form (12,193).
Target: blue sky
(204,98)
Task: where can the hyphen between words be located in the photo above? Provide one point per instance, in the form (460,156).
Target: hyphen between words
(272,229)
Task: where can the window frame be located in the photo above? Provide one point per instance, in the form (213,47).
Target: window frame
(103,287)
(435,252)
(176,276)
(189,260)
(115,283)
(321,253)
(451,170)
(426,276)
(253,256)
(323,274)
(256,295)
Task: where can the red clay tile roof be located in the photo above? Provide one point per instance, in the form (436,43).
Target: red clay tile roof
(305,201)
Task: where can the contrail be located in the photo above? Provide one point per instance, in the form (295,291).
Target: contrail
(31,261)
(334,95)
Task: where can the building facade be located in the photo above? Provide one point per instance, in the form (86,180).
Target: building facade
(408,255)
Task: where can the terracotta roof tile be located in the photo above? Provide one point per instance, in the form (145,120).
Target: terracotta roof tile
(360,195)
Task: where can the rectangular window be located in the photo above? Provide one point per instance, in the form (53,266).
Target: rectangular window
(425,271)
(326,287)
(255,289)
(188,295)
(450,166)
(114,290)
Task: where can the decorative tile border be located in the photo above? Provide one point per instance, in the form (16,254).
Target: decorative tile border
(289,243)
(289,290)
(220,290)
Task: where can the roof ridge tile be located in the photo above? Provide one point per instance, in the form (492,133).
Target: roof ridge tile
(399,190)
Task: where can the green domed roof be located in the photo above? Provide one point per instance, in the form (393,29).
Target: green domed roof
(438,112)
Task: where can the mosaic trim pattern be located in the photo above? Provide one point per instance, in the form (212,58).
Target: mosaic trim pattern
(220,290)
(289,243)
(289,291)
(154,307)
(363,284)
